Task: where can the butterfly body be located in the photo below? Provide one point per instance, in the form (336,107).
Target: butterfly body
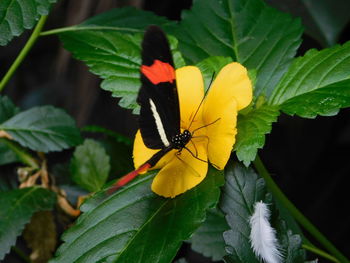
(179,141)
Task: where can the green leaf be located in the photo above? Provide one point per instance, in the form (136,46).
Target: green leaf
(43,129)
(118,147)
(316,84)
(6,154)
(115,57)
(252,128)
(291,245)
(17,208)
(324,101)
(18,15)
(7,109)
(212,28)
(127,19)
(208,239)
(112,55)
(13,152)
(242,190)
(90,165)
(135,221)
(250,32)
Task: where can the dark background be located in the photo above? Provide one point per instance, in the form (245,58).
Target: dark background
(309,159)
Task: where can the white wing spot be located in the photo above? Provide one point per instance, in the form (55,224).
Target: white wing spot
(159,124)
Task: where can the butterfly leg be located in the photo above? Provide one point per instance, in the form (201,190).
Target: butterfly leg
(193,171)
(195,148)
(195,156)
(207,138)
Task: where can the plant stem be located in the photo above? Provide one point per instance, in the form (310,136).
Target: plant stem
(320,252)
(276,191)
(21,153)
(24,52)
(89,27)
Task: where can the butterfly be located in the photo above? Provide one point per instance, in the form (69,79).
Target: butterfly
(189,135)
(159,119)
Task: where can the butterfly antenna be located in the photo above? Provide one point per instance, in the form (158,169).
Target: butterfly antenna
(200,104)
(194,146)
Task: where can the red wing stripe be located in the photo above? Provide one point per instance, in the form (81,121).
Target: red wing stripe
(159,72)
(128,177)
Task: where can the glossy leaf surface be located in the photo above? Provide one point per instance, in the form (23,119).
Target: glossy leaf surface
(135,221)
(316,84)
(250,32)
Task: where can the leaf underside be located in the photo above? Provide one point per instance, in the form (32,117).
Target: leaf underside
(18,15)
(242,190)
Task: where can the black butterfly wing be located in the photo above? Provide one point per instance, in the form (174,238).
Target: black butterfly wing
(159,114)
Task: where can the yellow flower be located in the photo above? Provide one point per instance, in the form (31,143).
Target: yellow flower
(213,129)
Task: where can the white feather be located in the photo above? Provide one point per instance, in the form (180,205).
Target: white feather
(262,236)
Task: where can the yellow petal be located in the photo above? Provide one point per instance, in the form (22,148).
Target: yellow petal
(182,173)
(230,92)
(232,82)
(190,88)
(221,134)
(142,154)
